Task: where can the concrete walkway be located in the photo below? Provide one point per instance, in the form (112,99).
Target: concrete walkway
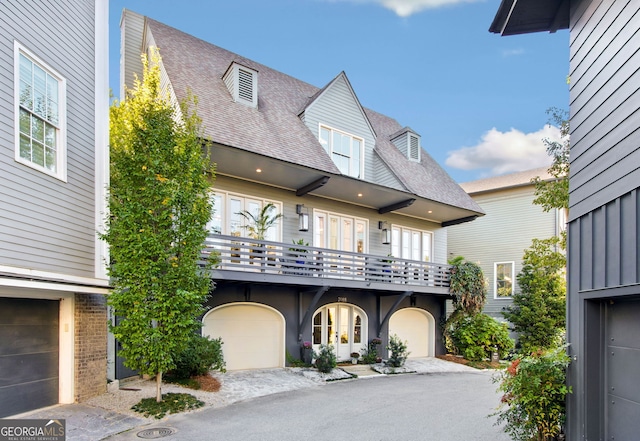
(85,422)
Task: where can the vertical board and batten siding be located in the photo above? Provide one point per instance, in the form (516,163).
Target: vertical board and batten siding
(59,217)
(603,233)
(339,109)
(290,221)
(605,103)
(502,235)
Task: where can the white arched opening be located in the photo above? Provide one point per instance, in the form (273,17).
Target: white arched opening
(342,325)
(418,328)
(253,334)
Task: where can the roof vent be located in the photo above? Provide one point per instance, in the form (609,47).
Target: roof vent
(242,83)
(414,148)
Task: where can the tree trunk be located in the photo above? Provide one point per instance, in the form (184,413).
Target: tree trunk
(159,387)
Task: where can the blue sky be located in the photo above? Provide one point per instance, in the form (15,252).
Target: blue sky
(477,99)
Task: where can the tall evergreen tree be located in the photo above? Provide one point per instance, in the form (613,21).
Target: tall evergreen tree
(158,211)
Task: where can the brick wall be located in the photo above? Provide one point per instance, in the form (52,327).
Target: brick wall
(90,346)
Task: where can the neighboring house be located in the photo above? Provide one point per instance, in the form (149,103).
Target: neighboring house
(54,102)
(352,183)
(603,303)
(498,240)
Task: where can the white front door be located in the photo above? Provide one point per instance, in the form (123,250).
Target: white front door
(342,325)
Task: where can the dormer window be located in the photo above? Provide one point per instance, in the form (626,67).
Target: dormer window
(242,83)
(408,142)
(346,151)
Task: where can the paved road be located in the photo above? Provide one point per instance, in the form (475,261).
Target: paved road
(438,407)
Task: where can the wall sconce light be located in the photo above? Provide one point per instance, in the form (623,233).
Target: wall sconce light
(303,217)
(386,232)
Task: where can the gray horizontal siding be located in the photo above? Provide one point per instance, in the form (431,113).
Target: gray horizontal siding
(47,224)
(132,26)
(290,220)
(339,109)
(511,222)
(605,103)
(383,174)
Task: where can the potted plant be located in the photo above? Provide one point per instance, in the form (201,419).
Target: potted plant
(354,357)
(259,223)
(300,253)
(306,352)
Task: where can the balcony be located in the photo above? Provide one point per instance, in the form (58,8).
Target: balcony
(259,261)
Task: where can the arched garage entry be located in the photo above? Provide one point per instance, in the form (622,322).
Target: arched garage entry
(418,328)
(253,334)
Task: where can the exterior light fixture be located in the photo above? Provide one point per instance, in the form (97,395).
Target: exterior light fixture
(386,232)
(303,217)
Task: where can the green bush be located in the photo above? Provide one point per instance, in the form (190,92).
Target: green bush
(202,355)
(476,336)
(534,387)
(370,353)
(398,350)
(325,358)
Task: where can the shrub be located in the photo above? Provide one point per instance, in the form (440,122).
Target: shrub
(202,355)
(398,350)
(170,403)
(370,353)
(325,358)
(476,336)
(533,404)
(468,286)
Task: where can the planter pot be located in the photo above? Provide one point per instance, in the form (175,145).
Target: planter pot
(306,354)
(354,361)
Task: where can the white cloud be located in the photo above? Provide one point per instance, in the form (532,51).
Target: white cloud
(498,152)
(405,8)
(512,52)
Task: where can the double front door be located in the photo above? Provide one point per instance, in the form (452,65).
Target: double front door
(342,325)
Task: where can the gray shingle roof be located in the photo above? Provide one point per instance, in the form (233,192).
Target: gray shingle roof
(518,179)
(274,129)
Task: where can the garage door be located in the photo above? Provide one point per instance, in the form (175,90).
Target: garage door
(253,335)
(623,366)
(29,332)
(417,328)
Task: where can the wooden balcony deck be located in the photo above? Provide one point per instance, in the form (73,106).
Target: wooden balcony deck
(254,260)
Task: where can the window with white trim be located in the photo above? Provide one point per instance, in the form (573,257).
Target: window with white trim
(346,151)
(226,220)
(40,108)
(409,243)
(503,279)
(340,232)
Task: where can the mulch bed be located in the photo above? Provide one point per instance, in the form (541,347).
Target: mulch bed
(208,383)
(474,364)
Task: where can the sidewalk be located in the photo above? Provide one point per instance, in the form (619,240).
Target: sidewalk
(110,413)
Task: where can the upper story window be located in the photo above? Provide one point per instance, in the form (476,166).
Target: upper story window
(504,275)
(347,151)
(227,220)
(408,243)
(40,108)
(340,232)
(242,83)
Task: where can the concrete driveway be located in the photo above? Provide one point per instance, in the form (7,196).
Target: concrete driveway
(435,406)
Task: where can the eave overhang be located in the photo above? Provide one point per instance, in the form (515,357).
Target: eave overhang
(526,16)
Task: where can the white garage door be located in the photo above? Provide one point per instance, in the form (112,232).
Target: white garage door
(253,335)
(417,328)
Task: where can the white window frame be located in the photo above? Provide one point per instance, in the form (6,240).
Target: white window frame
(402,243)
(321,236)
(330,150)
(495,279)
(222,215)
(60,171)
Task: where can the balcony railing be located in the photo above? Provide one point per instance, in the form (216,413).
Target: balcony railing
(250,255)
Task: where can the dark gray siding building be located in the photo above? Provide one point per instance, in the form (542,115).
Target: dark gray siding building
(603,304)
(54,103)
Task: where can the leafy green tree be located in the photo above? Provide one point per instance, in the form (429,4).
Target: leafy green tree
(468,286)
(538,310)
(158,211)
(555,193)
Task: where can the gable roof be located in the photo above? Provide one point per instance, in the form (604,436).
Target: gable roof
(512,180)
(275,130)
